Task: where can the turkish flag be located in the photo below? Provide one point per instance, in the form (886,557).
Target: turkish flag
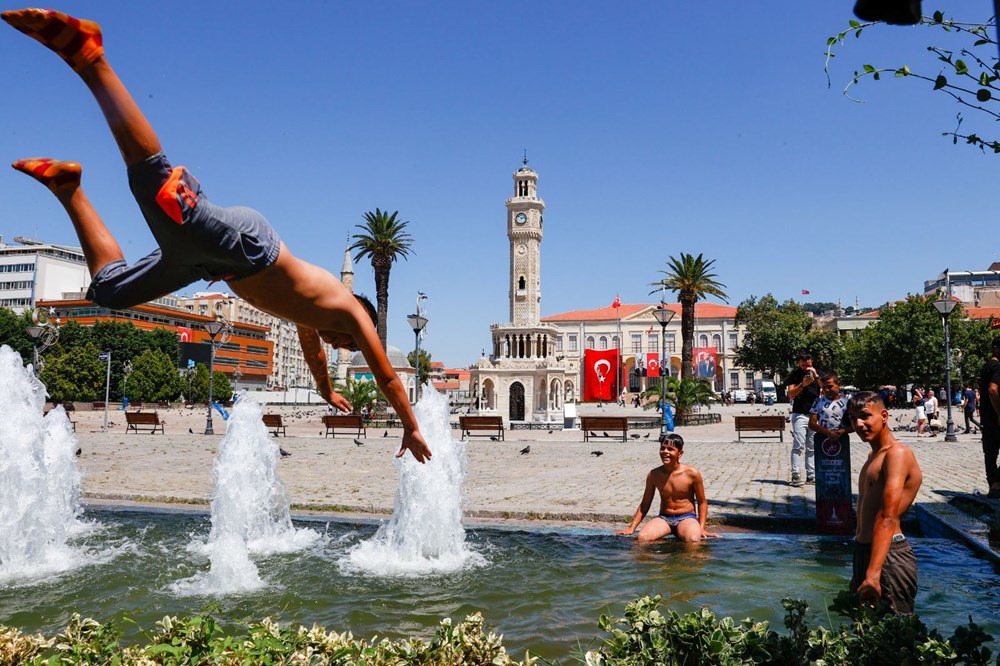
(805,291)
(184,334)
(600,374)
(618,302)
(652,364)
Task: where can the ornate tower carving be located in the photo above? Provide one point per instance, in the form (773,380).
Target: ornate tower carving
(524,231)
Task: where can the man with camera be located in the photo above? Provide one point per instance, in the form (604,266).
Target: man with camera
(803,390)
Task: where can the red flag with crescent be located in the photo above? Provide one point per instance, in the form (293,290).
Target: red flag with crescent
(618,302)
(600,374)
(652,364)
(184,334)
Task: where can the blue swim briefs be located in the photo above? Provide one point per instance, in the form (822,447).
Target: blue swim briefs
(676,519)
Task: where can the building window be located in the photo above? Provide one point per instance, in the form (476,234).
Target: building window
(749,378)
(559,343)
(717,342)
(614,342)
(572,343)
(702,340)
(671,343)
(636,343)
(602,342)
(734,340)
(654,343)
(734,380)
(590,342)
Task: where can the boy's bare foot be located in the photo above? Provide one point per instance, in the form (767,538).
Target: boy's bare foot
(51,173)
(76,41)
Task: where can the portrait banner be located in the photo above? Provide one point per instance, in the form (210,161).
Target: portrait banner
(703,363)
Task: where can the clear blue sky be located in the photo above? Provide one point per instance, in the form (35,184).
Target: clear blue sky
(656,128)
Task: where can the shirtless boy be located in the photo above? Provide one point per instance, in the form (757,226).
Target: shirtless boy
(680,486)
(884,565)
(198,239)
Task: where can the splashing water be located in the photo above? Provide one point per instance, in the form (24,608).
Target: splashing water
(39,478)
(425,533)
(250,509)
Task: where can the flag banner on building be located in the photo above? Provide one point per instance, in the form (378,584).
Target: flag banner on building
(652,364)
(805,292)
(618,302)
(600,374)
(703,362)
(185,334)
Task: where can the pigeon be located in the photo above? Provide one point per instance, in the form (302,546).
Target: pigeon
(634,435)
(494,439)
(526,450)
(647,436)
(79,452)
(358,442)
(550,432)
(284,453)
(597,453)
(592,433)
(190,431)
(385,434)
(604,433)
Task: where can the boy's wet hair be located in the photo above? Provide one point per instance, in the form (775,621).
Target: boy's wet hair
(369,308)
(674,439)
(863,399)
(828,375)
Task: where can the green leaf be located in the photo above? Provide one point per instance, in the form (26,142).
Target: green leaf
(876,76)
(961,67)
(940,82)
(983,95)
(938,17)
(853,23)
(869,69)
(980,42)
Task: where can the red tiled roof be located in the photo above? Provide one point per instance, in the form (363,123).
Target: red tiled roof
(983,313)
(608,313)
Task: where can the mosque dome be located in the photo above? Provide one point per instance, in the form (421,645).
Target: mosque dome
(397,359)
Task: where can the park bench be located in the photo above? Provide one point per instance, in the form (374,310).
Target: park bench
(68,407)
(592,424)
(163,404)
(150,420)
(275,425)
(760,424)
(488,424)
(345,421)
(96,405)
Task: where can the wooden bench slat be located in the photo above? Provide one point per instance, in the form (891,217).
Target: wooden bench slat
(151,420)
(760,424)
(274,422)
(349,421)
(488,424)
(604,423)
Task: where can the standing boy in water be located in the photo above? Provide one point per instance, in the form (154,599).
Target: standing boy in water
(884,565)
(680,486)
(197,239)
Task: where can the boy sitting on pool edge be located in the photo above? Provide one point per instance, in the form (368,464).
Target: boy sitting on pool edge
(680,486)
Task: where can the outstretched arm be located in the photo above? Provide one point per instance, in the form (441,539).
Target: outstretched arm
(640,513)
(312,349)
(699,493)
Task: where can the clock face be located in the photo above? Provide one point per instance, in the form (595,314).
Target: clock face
(521,218)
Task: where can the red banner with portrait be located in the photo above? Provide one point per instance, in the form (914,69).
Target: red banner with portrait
(600,374)
(703,363)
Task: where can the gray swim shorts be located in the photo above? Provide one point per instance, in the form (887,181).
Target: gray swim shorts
(675,519)
(198,240)
(899,574)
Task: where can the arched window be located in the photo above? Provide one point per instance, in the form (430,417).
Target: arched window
(520,283)
(590,342)
(602,342)
(717,342)
(702,340)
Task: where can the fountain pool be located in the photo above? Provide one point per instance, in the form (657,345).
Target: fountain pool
(542,590)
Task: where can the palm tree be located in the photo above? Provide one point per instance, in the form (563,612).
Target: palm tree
(383,239)
(683,394)
(690,278)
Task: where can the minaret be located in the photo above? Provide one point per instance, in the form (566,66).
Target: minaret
(524,231)
(347,279)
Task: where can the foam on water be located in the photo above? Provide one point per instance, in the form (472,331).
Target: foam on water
(250,509)
(425,533)
(39,479)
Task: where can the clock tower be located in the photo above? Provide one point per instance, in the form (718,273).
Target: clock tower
(524,231)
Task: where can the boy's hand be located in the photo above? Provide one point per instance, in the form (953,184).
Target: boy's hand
(705,534)
(414,441)
(624,532)
(338,401)
(870,591)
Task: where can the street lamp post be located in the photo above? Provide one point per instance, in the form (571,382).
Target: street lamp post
(417,323)
(663,315)
(945,306)
(34,332)
(213,328)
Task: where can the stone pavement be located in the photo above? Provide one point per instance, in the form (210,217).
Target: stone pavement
(560,479)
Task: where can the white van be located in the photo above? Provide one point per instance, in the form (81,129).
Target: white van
(764,388)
